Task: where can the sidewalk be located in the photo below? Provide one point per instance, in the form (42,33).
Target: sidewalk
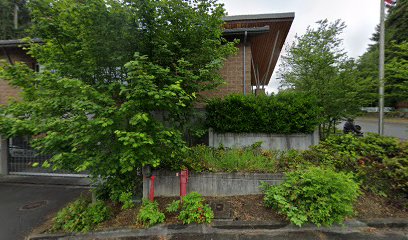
(45,180)
(353,229)
(27,201)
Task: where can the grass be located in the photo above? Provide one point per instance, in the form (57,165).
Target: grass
(251,159)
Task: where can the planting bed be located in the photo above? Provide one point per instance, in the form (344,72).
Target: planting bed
(248,208)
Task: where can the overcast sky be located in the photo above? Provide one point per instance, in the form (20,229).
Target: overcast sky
(360,16)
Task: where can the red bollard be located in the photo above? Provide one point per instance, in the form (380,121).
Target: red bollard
(151,192)
(183,182)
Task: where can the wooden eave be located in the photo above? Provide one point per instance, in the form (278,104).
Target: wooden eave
(266,46)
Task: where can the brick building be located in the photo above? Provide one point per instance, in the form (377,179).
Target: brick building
(12,51)
(261,41)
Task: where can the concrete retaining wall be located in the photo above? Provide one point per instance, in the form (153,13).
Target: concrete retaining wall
(269,141)
(210,184)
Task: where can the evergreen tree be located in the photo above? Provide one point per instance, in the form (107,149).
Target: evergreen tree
(396,33)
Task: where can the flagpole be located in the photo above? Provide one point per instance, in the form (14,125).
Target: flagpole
(381,72)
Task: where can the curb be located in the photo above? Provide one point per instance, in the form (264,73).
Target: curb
(238,230)
(387,222)
(249,225)
(46,180)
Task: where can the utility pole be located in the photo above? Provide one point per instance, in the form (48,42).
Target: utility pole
(381,71)
(15,16)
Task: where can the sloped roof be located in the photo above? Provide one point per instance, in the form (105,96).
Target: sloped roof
(266,45)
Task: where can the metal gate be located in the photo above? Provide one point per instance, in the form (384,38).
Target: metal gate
(22,158)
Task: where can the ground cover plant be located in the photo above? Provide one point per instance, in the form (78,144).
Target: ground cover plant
(191,209)
(81,216)
(249,208)
(149,214)
(317,195)
(249,159)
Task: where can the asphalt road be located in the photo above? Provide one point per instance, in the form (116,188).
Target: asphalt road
(392,128)
(25,206)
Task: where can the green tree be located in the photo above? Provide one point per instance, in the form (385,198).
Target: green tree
(397,72)
(317,64)
(120,79)
(396,32)
(8,29)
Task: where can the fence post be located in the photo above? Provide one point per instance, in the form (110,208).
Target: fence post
(3,156)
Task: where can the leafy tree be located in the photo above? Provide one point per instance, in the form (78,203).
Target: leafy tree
(317,64)
(7,28)
(120,79)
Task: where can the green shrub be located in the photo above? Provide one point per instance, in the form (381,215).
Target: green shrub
(344,151)
(81,216)
(370,157)
(317,195)
(397,171)
(192,209)
(385,146)
(149,214)
(285,113)
(126,198)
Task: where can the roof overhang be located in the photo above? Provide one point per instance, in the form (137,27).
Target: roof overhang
(240,31)
(259,16)
(267,34)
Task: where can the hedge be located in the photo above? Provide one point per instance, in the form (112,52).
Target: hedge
(284,113)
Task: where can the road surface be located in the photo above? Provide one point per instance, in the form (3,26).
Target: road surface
(25,206)
(392,127)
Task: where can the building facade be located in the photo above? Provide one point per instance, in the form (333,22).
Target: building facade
(261,38)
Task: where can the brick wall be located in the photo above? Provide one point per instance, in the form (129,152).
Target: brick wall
(16,55)
(233,74)
(7,92)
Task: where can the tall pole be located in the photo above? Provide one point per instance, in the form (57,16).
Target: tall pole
(15,16)
(381,72)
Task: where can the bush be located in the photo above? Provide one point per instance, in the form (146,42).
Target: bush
(344,151)
(284,113)
(81,216)
(397,171)
(377,160)
(149,214)
(317,195)
(192,209)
